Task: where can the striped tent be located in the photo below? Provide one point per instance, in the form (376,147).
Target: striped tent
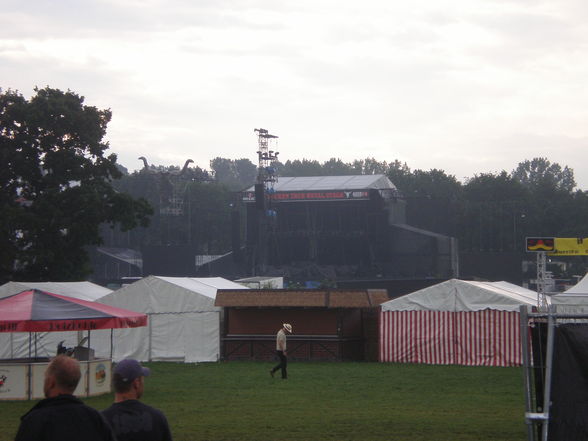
(455,322)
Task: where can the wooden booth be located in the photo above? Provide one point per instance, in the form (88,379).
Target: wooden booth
(328,325)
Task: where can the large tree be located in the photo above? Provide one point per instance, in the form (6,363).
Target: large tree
(540,174)
(56,185)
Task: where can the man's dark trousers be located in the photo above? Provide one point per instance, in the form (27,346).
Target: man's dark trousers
(282,365)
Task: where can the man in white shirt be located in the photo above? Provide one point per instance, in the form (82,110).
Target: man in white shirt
(281,350)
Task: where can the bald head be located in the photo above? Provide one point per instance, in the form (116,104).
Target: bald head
(62,376)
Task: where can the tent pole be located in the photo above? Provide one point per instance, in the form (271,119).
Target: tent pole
(524,319)
(150,335)
(548,370)
(88,368)
(111,342)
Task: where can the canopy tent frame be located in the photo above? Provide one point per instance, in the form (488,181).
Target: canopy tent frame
(69,314)
(539,403)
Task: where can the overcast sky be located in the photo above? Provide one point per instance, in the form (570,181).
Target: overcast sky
(466,86)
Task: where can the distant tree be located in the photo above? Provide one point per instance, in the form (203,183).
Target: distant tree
(432,197)
(541,173)
(494,213)
(303,167)
(551,188)
(246,172)
(370,166)
(235,174)
(336,167)
(400,174)
(56,185)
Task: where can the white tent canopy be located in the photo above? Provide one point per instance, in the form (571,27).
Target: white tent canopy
(79,290)
(579,288)
(574,300)
(461,295)
(184,324)
(16,345)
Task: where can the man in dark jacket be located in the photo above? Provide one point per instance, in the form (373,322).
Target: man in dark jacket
(61,416)
(130,419)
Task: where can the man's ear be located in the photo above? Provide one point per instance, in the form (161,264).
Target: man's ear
(50,381)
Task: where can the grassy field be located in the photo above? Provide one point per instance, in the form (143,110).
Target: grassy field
(327,401)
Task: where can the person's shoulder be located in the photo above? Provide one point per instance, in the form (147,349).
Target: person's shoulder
(130,405)
(154,411)
(50,405)
(151,408)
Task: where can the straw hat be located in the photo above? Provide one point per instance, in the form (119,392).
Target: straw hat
(288,327)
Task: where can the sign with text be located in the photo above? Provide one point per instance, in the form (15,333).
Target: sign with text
(559,246)
(570,246)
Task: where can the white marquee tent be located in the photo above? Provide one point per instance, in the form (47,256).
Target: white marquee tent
(574,300)
(580,288)
(18,344)
(455,322)
(184,324)
(79,290)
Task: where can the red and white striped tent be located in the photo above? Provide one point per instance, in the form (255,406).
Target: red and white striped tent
(455,322)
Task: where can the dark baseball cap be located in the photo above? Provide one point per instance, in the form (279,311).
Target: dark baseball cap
(129,369)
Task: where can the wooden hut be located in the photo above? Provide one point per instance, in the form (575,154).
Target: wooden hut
(329,325)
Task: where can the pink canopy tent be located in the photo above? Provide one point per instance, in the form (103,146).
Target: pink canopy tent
(40,311)
(35,311)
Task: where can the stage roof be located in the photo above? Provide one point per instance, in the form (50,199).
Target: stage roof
(320,183)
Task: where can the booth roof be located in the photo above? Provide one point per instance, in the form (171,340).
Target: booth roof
(356,298)
(40,311)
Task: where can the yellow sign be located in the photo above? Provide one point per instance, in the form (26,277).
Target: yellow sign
(570,246)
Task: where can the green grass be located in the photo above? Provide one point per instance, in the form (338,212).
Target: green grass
(327,401)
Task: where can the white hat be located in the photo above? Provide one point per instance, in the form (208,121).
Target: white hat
(288,327)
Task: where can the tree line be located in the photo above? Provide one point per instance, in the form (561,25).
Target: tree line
(62,193)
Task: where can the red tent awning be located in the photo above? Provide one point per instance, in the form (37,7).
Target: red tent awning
(40,311)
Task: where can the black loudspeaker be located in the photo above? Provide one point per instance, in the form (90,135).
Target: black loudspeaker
(260,196)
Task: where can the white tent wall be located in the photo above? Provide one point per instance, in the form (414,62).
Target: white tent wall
(16,345)
(184,324)
(455,322)
(42,344)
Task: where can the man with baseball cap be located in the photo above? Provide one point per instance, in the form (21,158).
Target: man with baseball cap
(130,419)
(281,350)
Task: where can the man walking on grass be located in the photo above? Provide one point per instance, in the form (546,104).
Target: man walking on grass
(281,350)
(130,419)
